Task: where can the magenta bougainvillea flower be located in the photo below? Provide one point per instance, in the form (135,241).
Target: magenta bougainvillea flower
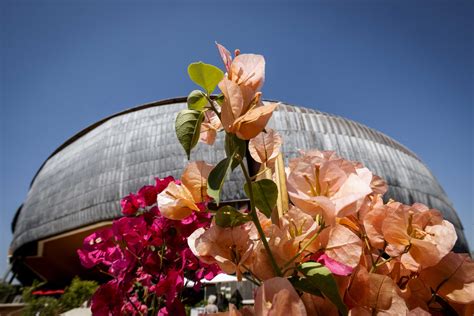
(145,252)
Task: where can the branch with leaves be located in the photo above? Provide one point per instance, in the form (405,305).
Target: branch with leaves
(316,236)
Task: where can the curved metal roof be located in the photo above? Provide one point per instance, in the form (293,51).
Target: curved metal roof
(82,181)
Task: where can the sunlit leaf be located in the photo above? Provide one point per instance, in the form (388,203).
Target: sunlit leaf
(217,177)
(236,146)
(305,285)
(205,75)
(323,280)
(188,125)
(219,99)
(265,194)
(197,100)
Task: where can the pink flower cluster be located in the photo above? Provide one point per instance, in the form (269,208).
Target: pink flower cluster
(147,257)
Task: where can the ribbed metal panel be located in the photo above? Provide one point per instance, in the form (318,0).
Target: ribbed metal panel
(82,182)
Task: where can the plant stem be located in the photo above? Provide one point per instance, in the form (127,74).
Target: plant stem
(252,277)
(306,245)
(255,220)
(260,173)
(374,263)
(213,107)
(134,307)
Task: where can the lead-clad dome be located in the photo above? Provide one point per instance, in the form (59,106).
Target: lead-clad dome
(82,181)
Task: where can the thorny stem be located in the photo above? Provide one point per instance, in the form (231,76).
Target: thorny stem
(255,220)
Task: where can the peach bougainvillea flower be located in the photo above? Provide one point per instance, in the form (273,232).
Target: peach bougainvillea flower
(452,278)
(233,311)
(178,201)
(340,244)
(372,220)
(265,147)
(244,120)
(374,294)
(418,234)
(277,297)
(230,247)
(322,183)
(246,70)
(209,127)
(318,306)
(416,294)
(285,240)
(242,112)
(194,178)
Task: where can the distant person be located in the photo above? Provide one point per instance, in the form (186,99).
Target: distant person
(211,307)
(222,302)
(236,299)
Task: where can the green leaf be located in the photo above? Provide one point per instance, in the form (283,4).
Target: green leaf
(188,128)
(305,285)
(205,75)
(265,194)
(217,177)
(236,146)
(197,100)
(227,216)
(219,99)
(321,279)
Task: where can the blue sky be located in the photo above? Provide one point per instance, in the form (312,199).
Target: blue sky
(404,67)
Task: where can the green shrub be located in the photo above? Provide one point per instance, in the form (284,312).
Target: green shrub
(44,306)
(77,293)
(6,291)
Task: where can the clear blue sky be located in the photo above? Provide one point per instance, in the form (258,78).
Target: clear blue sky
(404,68)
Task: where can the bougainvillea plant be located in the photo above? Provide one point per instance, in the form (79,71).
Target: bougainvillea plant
(147,256)
(317,237)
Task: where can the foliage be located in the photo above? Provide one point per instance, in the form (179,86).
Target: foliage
(188,124)
(265,194)
(206,76)
(6,291)
(47,306)
(78,292)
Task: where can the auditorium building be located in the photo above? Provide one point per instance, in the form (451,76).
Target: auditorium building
(78,188)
